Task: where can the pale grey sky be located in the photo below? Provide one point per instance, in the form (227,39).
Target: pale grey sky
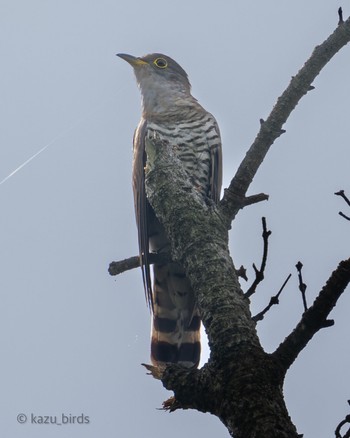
(72,337)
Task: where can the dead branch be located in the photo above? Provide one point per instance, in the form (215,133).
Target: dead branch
(116,268)
(315,317)
(273,300)
(259,273)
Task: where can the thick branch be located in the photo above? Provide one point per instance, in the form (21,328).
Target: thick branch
(271,129)
(315,317)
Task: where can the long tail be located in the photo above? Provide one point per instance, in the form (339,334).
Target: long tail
(176,320)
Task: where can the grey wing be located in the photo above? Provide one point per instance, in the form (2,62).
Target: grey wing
(142,207)
(216,168)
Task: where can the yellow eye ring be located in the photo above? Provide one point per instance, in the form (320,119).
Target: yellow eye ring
(160,63)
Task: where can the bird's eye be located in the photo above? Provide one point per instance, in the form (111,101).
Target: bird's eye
(160,62)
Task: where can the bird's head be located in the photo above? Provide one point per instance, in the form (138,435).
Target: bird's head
(162,80)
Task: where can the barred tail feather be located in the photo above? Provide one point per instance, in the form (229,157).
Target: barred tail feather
(176,321)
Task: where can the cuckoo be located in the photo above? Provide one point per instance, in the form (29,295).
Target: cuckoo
(171,113)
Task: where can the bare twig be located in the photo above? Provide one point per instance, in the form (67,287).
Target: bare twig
(315,318)
(340,15)
(341,424)
(259,273)
(273,300)
(116,268)
(342,194)
(344,216)
(302,285)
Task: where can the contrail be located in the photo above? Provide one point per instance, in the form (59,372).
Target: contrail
(81,119)
(29,160)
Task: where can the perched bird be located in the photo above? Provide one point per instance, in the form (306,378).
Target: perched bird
(171,113)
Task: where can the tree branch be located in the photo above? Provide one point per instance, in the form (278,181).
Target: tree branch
(259,273)
(271,129)
(344,216)
(116,268)
(347,200)
(315,317)
(302,285)
(342,194)
(273,300)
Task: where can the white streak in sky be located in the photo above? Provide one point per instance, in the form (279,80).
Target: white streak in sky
(77,122)
(27,161)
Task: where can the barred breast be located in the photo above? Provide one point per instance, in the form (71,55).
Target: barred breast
(194,138)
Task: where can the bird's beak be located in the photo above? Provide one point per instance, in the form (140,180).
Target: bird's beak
(132,60)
